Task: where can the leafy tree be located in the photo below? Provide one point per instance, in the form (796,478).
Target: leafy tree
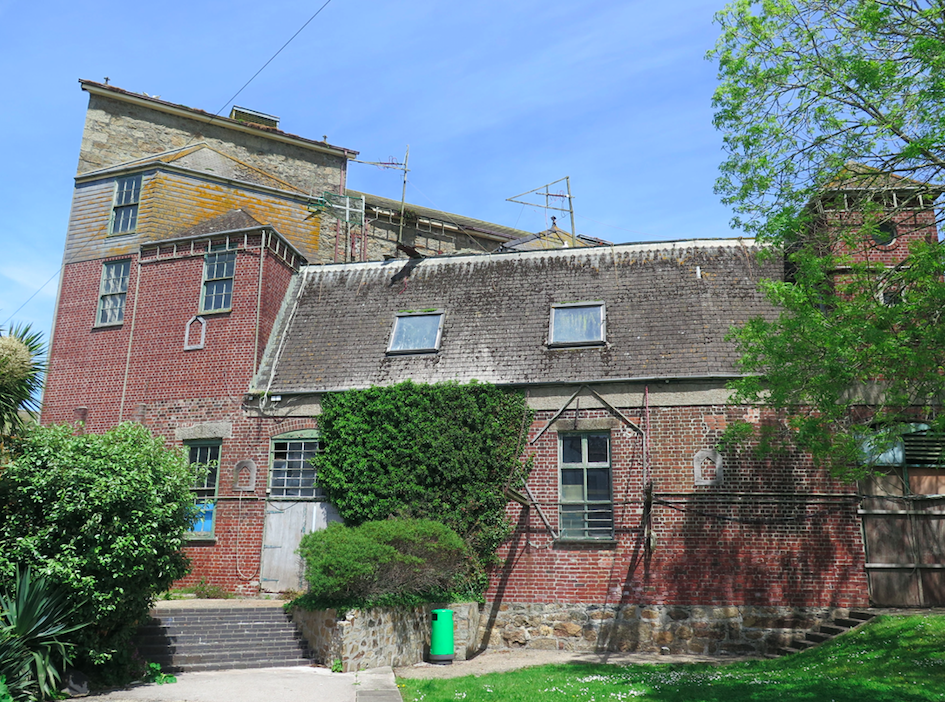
(823,100)
(809,85)
(21,375)
(102,516)
(443,452)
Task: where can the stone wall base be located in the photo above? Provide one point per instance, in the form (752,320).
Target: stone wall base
(399,637)
(378,637)
(647,628)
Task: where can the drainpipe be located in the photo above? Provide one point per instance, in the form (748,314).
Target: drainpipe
(131,337)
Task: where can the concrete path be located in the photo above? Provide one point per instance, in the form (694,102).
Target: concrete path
(296,684)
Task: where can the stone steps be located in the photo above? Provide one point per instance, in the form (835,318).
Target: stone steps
(220,638)
(824,632)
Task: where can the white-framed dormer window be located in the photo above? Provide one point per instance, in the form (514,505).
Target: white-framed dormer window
(112,293)
(577,324)
(416,332)
(125,207)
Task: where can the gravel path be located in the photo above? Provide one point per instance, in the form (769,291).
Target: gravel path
(502,661)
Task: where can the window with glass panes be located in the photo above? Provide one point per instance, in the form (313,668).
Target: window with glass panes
(125,209)
(207,456)
(218,271)
(416,332)
(586,503)
(577,324)
(114,288)
(293,474)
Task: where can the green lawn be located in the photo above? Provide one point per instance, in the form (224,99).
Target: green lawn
(891,659)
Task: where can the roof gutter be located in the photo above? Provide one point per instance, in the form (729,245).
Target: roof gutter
(552,383)
(226,122)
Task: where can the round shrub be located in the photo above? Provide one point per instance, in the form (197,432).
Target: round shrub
(383,562)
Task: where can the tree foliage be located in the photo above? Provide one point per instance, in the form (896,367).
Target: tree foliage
(102,516)
(809,85)
(821,100)
(443,452)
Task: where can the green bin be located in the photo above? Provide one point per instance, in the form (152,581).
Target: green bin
(441,636)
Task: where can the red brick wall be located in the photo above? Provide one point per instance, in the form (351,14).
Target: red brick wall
(169,387)
(911,226)
(780,533)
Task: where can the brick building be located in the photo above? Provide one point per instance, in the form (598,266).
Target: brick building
(220,276)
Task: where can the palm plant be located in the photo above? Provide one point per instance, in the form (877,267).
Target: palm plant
(22,367)
(34,628)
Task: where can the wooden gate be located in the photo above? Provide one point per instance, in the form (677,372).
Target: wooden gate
(281,567)
(905,549)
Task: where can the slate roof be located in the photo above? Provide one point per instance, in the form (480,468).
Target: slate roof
(668,309)
(232,221)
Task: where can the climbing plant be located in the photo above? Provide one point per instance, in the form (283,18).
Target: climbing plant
(443,452)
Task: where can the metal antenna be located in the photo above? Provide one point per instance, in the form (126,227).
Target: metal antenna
(548,195)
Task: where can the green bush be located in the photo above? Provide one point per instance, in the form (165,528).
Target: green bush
(383,562)
(103,516)
(442,452)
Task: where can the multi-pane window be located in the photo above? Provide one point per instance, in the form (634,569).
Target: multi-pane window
(206,455)
(577,324)
(587,510)
(293,473)
(111,297)
(125,209)
(219,268)
(416,332)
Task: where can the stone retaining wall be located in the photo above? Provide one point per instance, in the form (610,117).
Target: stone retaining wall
(378,637)
(381,636)
(651,629)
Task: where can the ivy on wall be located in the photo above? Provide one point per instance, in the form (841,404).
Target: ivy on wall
(443,452)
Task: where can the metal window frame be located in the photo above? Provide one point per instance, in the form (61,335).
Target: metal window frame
(102,294)
(569,305)
(402,315)
(218,443)
(212,251)
(584,465)
(131,206)
(299,435)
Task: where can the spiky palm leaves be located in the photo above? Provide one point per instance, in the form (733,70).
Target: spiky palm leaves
(35,623)
(22,366)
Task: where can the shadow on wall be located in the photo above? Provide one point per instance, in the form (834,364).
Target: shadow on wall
(514,555)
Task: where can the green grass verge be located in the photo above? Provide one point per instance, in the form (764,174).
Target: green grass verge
(891,659)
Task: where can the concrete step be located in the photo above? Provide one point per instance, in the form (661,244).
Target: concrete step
(825,632)
(216,639)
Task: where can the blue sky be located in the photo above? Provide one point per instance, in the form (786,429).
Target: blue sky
(493,98)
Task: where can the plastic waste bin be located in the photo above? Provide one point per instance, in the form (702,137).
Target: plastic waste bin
(441,636)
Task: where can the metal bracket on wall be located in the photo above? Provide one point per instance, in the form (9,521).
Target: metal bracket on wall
(613,410)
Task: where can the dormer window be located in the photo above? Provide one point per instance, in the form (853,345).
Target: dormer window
(577,324)
(416,332)
(125,208)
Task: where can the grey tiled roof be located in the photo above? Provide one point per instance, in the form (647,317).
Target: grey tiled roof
(668,309)
(234,220)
